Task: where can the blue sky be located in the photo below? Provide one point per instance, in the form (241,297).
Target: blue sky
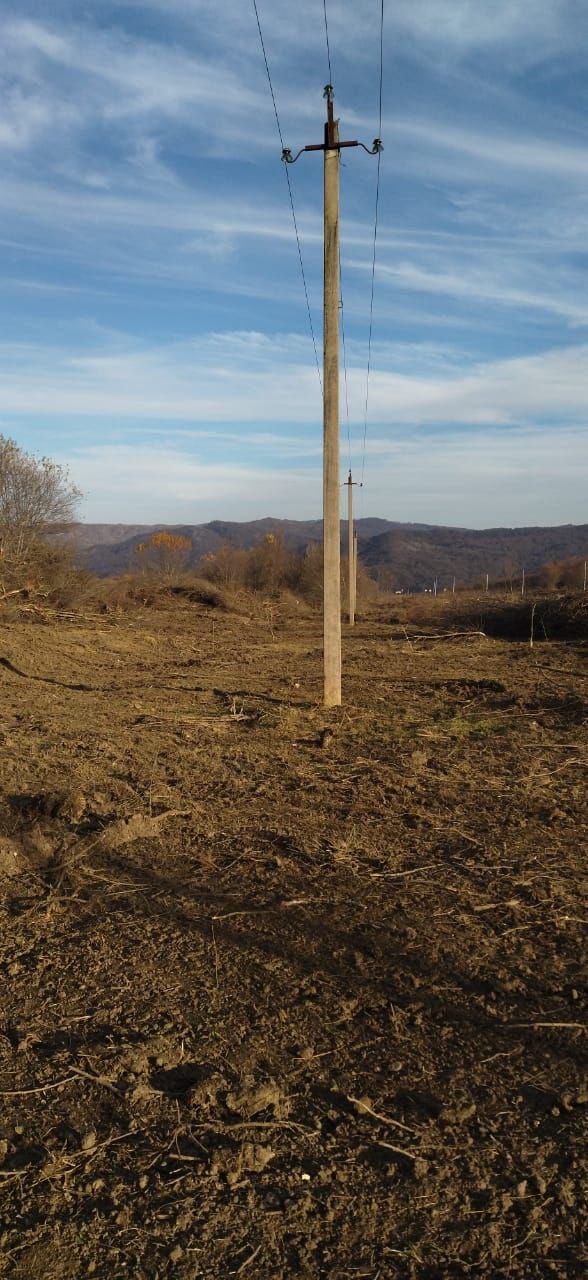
(154,334)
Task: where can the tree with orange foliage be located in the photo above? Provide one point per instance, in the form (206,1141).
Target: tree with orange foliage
(164,554)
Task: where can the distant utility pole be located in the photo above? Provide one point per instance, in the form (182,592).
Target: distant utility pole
(585,563)
(331,148)
(453,587)
(435,587)
(352,549)
(354,570)
(487,580)
(523,583)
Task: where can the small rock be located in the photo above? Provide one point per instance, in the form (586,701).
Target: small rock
(13,861)
(88,1140)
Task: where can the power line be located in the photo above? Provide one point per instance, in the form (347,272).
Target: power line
(328,45)
(369,360)
(344,360)
(290,193)
(341,304)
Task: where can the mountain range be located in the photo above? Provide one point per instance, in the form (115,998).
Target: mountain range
(408,556)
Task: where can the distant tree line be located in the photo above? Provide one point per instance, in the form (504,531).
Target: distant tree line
(269,568)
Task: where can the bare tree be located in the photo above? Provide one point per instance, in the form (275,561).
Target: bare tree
(37,498)
(164,555)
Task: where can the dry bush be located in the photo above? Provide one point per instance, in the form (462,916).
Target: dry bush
(37,500)
(270,566)
(50,578)
(226,567)
(310,574)
(117,595)
(269,570)
(561,574)
(59,579)
(128,592)
(199,591)
(164,555)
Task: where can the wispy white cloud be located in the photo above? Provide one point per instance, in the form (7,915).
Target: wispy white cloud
(464,25)
(251,378)
(25,115)
(130,77)
(142,191)
(519,153)
(482,480)
(476,284)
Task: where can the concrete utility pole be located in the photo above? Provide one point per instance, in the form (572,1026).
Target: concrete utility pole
(331,148)
(354,570)
(523,583)
(352,550)
(331,501)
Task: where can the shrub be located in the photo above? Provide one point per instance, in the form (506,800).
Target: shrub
(164,555)
(37,499)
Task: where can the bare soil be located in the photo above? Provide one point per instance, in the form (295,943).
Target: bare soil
(288,993)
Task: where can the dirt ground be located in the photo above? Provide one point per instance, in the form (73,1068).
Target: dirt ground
(288,993)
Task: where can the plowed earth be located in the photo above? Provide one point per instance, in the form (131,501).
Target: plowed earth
(288,993)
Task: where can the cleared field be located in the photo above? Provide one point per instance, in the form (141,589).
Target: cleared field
(287,992)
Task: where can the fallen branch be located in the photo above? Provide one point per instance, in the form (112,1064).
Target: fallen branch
(101,1080)
(448,635)
(254,1124)
(41,1088)
(364,1108)
(269,906)
(400,1151)
(247,1261)
(570,1026)
(397,875)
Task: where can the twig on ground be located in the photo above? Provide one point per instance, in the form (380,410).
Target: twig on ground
(215,949)
(571,1026)
(397,875)
(400,1151)
(247,1261)
(226,1127)
(448,635)
(41,1088)
(364,1108)
(95,1079)
(548,773)
(494,1056)
(269,907)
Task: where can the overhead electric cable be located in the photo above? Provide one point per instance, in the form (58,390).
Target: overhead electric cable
(328,45)
(344,359)
(290,193)
(341,304)
(369,359)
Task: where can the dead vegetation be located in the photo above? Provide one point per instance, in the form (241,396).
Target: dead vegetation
(288,993)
